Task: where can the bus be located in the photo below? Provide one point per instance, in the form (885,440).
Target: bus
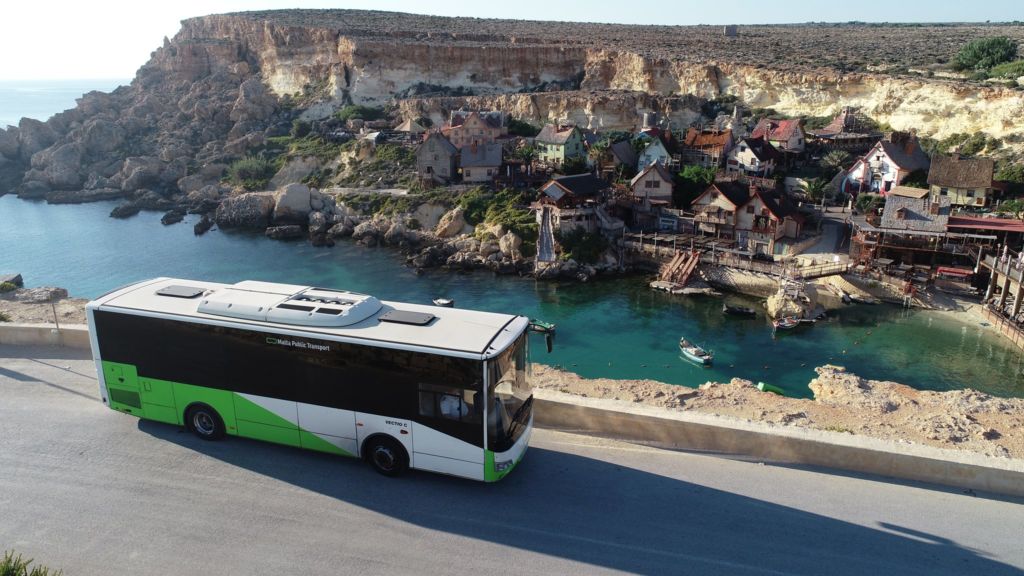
(399,385)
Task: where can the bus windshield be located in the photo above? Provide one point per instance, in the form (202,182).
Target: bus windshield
(511,396)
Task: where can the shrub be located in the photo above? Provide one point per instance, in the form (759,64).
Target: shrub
(582,246)
(8,287)
(12,565)
(300,129)
(574,165)
(4,318)
(522,128)
(985,53)
(916,179)
(357,112)
(251,172)
(1013,69)
(690,183)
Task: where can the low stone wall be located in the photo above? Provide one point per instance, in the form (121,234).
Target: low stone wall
(709,433)
(70,336)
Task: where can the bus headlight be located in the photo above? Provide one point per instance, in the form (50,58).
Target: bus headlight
(503,465)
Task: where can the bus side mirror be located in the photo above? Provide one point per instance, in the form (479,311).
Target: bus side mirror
(548,340)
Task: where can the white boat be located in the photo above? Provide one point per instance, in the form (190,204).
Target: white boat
(445,302)
(695,353)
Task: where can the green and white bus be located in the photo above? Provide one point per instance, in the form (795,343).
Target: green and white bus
(400,385)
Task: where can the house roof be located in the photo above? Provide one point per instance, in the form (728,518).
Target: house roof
(550,134)
(410,126)
(734,191)
(992,224)
(958,172)
(778,204)
(908,192)
(478,155)
(848,122)
(916,214)
(776,130)
(657,167)
(446,145)
(493,119)
(655,143)
(623,152)
(577,185)
(701,139)
(762,149)
(905,151)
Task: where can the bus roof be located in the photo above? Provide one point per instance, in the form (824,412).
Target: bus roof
(445,330)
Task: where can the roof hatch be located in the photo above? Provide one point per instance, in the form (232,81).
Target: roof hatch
(302,307)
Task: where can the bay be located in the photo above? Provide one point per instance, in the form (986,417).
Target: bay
(40,99)
(606,328)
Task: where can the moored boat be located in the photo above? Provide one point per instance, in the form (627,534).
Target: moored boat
(542,326)
(786,323)
(695,353)
(445,302)
(731,310)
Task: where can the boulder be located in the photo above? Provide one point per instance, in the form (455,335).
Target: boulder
(295,170)
(451,224)
(340,230)
(40,295)
(125,210)
(367,233)
(203,226)
(204,200)
(83,196)
(173,216)
(60,165)
(510,244)
(34,136)
(140,172)
(9,143)
(33,190)
(489,248)
(100,137)
(15,279)
(316,200)
(288,232)
(317,223)
(250,210)
(254,102)
(291,203)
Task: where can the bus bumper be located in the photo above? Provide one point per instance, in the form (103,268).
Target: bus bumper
(498,464)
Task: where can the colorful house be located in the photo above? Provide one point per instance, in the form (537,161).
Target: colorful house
(715,209)
(572,202)
(475,127)
(655,152)
(556,144)
(886,164)
(654,184)
(753,157)
(707,148)
(966,181)
(480,162)
(765,219)
(785,135)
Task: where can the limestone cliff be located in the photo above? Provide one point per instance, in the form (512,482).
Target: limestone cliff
(226,83)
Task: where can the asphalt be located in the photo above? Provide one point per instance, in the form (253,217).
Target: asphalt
(92,491)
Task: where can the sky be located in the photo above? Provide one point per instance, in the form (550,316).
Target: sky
(72,39)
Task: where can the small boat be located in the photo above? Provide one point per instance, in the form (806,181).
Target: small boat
(445,302)
(769,388)
(542,326)
(695,353)
(732,310)
(786,323)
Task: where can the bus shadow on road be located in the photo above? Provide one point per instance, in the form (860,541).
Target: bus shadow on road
(610,516)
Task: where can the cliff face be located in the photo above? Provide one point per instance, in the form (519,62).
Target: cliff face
(216,91)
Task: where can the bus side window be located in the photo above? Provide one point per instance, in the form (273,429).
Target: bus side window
(448,403)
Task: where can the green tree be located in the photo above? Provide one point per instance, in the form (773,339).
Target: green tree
(597,152)
(526,153)
(690,182)
(358,112)
(582,246)
(1014,208)
(985,53)
(867,202)
(522,128)
(834,161)
(815,188)
(916,179)
(251,172)
(574,165)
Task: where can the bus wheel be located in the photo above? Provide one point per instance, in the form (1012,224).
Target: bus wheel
(386,455)
(205,422)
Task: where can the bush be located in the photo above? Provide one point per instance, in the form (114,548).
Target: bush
(8,287)
(4,318)
(1013,69)
(251,172)
(690,183)
(916,179)
(574,165)
(12,565)
(300,129)
(582,246)
(985,53)
(357,112)
(522,128)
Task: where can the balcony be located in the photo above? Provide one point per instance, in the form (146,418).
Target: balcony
(705,218)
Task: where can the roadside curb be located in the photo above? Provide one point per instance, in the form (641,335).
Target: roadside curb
(680,430)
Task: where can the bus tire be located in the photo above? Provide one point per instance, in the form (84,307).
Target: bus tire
(204,422)
(386,455)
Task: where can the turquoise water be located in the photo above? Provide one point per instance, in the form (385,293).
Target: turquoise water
(616,329)
(41,99)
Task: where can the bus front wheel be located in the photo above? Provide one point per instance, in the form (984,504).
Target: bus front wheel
(386,455)
(204,422)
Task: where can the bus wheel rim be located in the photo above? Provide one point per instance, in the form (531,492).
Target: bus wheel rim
(203,423)
(383,458)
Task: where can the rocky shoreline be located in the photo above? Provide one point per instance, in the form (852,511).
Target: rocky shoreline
(843,402)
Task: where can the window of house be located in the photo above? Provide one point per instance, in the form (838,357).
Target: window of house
(648,184)
(970,193)
(489,171)
(714,196)
(750,209)
(943,191)
(656,184)
(468,173)
(435,157)
(743,148)
(799,141)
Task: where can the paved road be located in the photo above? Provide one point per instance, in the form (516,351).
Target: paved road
(98,492)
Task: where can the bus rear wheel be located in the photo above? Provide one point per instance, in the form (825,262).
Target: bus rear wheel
(204,422)
(386,455)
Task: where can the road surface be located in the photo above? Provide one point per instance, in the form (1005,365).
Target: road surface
(92,491)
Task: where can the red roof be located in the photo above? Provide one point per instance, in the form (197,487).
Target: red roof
(776,130)
(993,224)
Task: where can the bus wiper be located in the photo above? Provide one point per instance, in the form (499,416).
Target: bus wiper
(517,417)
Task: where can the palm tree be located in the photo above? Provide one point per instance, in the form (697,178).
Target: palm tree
(597,152)
(834,161)
(815,188)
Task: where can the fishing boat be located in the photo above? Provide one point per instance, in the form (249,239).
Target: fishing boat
(445,302)
(695,353)
(763,387)
(542,326)
(786,323)
(731,310)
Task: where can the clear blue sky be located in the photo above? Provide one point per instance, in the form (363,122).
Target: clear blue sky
(76,39)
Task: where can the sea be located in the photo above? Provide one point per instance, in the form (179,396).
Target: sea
(40,99)
(617,328)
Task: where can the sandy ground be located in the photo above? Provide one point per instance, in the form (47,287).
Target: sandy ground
(843,402)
